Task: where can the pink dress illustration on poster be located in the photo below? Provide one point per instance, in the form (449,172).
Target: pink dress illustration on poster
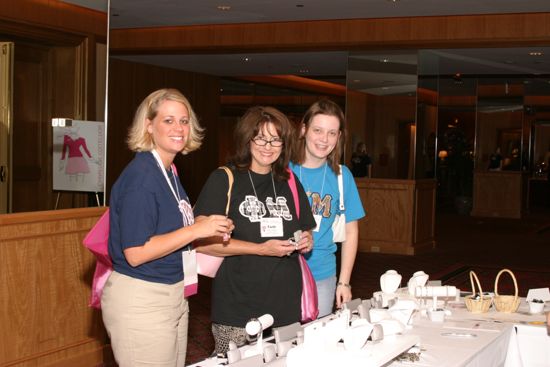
(76,164)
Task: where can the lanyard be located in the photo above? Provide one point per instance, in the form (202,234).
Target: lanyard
(322,185)
(253,188)
(183,206)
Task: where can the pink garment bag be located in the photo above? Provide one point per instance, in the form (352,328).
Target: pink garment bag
(310,302)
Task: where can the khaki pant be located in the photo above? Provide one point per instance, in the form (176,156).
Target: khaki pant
(147,322)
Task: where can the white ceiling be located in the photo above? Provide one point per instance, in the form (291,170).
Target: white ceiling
(379,73)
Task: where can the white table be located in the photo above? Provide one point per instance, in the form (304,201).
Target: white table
(508,340)
(501,339)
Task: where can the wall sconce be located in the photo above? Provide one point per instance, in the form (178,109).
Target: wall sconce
(443,154)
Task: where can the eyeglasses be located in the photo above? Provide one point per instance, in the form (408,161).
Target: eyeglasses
(276,142)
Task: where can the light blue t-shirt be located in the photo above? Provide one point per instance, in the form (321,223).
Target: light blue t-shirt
(321,185)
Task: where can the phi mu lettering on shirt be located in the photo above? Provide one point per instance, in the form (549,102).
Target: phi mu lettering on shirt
(255,210)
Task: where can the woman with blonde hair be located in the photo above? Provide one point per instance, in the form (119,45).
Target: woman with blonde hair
(151,226)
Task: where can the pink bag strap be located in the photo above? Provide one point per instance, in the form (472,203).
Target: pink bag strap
(294,190)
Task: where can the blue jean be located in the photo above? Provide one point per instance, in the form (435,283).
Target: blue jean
(326,293)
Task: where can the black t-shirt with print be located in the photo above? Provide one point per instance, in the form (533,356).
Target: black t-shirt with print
(248,286)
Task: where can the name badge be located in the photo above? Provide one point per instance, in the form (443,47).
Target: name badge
(318,218)
(271,227)
(190,275)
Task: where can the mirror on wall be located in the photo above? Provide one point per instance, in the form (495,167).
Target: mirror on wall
(381,104)
(55,72)
(471,110)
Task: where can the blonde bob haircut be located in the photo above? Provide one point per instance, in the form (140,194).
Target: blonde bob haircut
(321,107)
(139,139)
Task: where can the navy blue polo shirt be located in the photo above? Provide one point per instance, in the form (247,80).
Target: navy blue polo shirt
(142,206)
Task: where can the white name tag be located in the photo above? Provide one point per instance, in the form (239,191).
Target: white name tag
(271,227)
(318,218)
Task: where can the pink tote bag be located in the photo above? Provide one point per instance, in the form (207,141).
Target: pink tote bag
(97,241)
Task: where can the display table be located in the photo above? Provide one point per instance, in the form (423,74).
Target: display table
(488,339)
(463,339)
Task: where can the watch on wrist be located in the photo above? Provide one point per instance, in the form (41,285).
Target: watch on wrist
(343,285)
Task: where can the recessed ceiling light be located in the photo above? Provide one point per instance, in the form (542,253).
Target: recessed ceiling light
(535,53)
(385,60)
(246,59)
(224,7)
(393,1)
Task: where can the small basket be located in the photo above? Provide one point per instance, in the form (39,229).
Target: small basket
(507,304)
(480,305)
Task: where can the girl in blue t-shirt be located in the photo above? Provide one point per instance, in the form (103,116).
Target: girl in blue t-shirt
(315,162)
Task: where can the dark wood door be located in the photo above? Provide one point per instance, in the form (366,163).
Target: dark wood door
(31,130)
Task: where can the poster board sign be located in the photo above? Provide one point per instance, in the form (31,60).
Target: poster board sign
(79,156)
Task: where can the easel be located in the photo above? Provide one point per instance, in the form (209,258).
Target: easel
(59,195)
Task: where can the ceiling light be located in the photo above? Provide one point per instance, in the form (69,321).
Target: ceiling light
(224,7)
(535,53)
(384,60)
(246,59)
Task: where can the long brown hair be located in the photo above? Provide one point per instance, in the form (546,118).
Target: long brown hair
(248,127)
(321,107)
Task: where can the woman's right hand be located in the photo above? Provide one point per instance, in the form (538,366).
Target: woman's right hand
(277,248)
(213,225)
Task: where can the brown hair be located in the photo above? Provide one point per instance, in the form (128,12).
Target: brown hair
(139,139)
(248,127)
(321,107)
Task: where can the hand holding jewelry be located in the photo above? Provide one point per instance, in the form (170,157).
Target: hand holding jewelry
(306,242)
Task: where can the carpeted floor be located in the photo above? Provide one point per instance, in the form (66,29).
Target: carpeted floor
(463,243)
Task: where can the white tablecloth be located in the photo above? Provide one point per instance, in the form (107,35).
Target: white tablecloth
(501,340)
(510,340)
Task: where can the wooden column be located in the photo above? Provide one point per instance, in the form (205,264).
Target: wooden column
(400,216)
(498,194)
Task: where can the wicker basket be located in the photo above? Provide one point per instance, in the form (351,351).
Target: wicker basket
(481,304)
(507,304)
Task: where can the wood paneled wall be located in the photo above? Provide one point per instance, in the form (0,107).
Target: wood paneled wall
(45,279)
(56,18)
(437,31)
(498,194)
(130,83)
(400,216)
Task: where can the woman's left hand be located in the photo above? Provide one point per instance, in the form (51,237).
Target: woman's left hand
(343,295)
(305,244)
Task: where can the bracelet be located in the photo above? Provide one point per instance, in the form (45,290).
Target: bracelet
(343,284)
